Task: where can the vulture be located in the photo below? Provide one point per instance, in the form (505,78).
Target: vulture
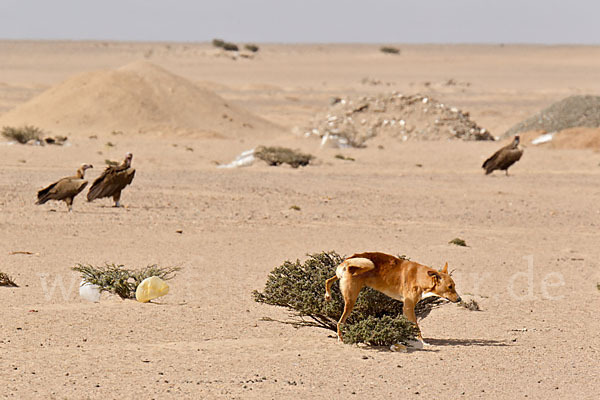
(65,189)
(504,158)
(112,181)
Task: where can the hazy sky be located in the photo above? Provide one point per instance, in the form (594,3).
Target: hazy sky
(366,21)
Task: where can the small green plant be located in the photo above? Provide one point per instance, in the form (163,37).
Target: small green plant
(382,331)
(282,155)
(218,42)
(470,305)
(23,134)
(119,280)
(300,288)
(111,163)
(598,286)
(225,45)
(230,47)
(5,280)
(343,157)
(389,50)
(458,242)
(251,47)
(295,208)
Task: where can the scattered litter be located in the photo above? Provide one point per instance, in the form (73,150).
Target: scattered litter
(28,253)
(415,344)
(89,291)
(352,121)
(150,289)
(399,347)
(243,160)
(545,138)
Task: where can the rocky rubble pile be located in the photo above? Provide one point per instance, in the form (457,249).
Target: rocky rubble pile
(353,121)
(571,112)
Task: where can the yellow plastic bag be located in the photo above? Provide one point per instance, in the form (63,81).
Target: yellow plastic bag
(150,289)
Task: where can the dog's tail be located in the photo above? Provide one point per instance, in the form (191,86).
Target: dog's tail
(328,284)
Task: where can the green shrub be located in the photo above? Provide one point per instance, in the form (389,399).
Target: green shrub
(470,305)
(23,134)
(389,50)
(458,242)
(300,288)
(383,331)
(5,280)
(251,47)
(282,155)
(218,42)
(230,46)
(119,280)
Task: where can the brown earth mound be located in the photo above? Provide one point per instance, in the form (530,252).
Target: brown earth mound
(415,117)
(137,98)
(572,138)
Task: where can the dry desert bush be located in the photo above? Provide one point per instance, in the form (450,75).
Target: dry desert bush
(5,280)
(22,134)
(300,287)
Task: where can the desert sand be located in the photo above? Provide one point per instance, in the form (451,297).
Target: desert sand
(531,261)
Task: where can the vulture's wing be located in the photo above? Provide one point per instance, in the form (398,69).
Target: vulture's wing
(112,181)
(62,189)
(509,157)
(502,159)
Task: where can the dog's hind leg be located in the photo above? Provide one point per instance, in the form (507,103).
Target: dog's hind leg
(350,288)
(328,284)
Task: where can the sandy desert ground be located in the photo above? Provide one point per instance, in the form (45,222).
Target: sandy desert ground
(532,261)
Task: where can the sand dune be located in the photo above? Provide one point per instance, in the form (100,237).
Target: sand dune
(138,98)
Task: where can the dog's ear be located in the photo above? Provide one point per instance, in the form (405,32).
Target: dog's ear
(436,277)
(445,269)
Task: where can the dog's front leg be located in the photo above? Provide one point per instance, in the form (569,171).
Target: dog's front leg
(408,309)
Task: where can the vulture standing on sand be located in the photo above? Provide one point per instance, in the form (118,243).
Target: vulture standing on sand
(112,181)
(65,189)
(504,158)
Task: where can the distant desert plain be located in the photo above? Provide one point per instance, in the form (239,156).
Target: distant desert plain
(183,110)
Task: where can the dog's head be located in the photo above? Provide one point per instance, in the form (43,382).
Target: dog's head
(443,284)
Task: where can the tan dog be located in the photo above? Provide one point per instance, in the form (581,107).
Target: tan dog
(400,279)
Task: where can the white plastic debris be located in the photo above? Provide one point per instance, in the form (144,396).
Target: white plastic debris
(89,291)
(416,344)
(545,138)
(243,160)
(151,288)
(399,347)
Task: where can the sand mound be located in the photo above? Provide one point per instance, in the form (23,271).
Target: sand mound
(414,117)
(137,98)
(573,111)
(572,138)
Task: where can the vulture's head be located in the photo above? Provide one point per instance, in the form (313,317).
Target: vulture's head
(83,167)
(128,158)
(516,140)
